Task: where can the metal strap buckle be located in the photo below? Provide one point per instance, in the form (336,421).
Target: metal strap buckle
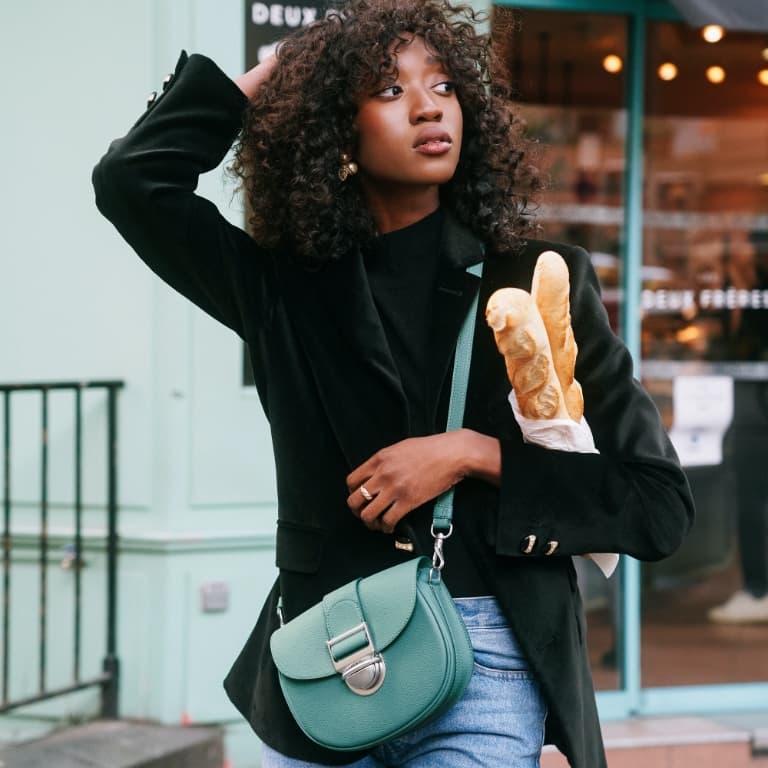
(363,670)
(438,559)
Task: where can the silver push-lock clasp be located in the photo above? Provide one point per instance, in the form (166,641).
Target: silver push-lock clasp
(363,669)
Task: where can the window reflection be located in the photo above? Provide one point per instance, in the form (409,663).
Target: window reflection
(705,337)
(704,298)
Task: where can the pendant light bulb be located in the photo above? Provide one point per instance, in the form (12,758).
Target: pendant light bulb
(713,33)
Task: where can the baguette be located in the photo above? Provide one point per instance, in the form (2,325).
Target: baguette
(522,339)
(550,291)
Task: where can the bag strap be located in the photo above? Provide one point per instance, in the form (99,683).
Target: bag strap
(442,514)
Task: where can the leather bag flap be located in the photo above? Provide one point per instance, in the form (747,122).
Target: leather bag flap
(385,601)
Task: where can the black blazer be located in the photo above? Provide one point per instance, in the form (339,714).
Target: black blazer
(329,387)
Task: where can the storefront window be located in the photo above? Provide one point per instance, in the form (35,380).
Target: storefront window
(705,345)
(703,300)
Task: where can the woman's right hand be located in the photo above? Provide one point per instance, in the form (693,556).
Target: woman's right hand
(250,81)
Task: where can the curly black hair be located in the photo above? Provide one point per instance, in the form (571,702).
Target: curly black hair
(301,119)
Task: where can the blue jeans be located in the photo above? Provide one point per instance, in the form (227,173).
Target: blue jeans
(499,721)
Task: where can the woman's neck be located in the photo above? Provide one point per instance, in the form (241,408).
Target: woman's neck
(392,211)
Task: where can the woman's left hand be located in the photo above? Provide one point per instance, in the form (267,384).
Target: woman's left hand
(403,476)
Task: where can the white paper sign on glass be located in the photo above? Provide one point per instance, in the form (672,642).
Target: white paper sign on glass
(703,411)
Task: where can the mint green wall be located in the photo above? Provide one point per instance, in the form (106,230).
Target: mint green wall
(75,301)
(196,484)
(483,6)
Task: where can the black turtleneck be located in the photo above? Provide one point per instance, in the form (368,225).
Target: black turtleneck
(401,270)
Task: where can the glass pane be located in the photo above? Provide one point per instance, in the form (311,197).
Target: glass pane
(567,72)
(705,347)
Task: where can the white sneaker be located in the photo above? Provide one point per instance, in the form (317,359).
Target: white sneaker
(741,608)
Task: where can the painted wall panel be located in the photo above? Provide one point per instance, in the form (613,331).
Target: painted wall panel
(209,642)
(231,451)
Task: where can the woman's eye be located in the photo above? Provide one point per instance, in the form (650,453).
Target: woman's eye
(390,91)
(445,87)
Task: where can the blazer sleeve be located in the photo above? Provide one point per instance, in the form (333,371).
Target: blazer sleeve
(633,496)
(145,185)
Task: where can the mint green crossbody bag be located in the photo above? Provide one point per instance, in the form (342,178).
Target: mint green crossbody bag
(383,654)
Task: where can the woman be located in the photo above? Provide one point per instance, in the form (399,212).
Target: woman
(379,164)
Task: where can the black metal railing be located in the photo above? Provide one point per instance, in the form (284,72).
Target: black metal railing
(108,679)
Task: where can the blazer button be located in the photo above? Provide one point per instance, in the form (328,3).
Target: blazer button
(151,99)
(551,547)
(527,544)
(167,81)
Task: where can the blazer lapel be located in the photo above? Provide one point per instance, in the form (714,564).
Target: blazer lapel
(342,335)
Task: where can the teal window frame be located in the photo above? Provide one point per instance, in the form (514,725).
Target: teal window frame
(632,699)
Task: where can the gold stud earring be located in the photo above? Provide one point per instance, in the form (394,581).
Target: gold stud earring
(347,167)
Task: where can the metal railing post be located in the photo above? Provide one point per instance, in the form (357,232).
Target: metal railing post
(6,540)
(110,689)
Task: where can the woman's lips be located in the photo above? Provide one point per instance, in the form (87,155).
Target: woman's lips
(433,141)
(433,147)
